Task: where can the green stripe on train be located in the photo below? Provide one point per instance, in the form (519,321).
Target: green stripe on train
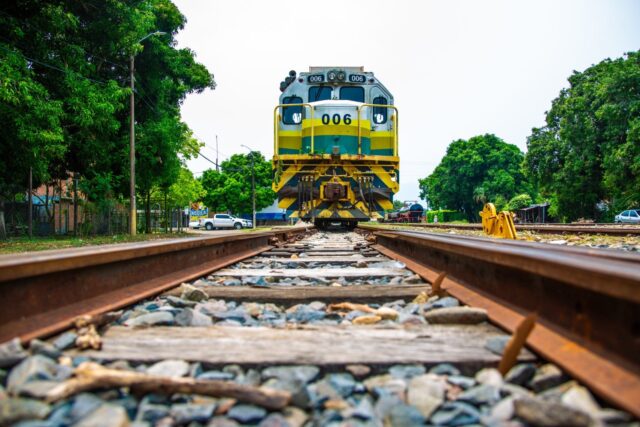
(324,144)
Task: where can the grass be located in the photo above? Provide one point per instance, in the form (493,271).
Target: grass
(25,244)
(258,228)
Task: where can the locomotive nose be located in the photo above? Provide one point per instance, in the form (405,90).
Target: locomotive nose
(335,128)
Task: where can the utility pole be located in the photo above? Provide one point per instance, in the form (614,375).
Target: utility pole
(132,154)
(132,140)
(253,187)
(253,192)
(75,204)
(30,214)
(217,167)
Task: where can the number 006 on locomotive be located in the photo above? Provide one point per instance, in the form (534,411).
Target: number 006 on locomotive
(335,146)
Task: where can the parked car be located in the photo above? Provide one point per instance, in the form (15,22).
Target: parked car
(632,216)
(246,223)
(194,224)
(224,221)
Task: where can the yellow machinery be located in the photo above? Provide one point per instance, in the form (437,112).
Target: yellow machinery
(497,225)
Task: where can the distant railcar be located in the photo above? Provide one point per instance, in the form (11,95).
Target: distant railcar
(335,146)
(410,213)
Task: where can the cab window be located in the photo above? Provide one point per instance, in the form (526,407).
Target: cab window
(292,115)
(319,93)
(352,93)
(380,113)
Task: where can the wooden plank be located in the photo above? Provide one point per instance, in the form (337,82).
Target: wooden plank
(319,249)
(343,247)
(429,344)
(290,295)
(312,272)
(279,252)
(336,253)
(333,260)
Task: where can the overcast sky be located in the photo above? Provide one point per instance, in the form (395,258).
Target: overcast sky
(456,68)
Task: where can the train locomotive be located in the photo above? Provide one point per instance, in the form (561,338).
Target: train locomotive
(335,146)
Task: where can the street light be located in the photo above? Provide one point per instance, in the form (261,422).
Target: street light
(253,186)
(132,141)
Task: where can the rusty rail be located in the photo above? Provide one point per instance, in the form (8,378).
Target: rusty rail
(587,301)
(608,229)
(43,292)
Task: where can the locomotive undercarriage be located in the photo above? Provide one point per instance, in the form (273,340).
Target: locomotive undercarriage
(337,194)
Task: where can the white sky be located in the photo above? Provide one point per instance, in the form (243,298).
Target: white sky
(456,68)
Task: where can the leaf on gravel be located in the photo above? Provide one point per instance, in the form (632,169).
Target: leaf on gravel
(367,320)
(348,306)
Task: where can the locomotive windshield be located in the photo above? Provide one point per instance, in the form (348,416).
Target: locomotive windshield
(352,93)
(380,113)
(292,115)
(319,93)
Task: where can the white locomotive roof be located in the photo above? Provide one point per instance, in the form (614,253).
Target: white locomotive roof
(336,103)
(352,69)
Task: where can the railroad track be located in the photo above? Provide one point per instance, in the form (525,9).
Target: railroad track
(605,229)
(324,328)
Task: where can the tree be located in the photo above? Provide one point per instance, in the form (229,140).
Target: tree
(166,76)
(482,169)
(32,136)
(230,190)
(185,190)
(213,183)
(520,201)
(64,68)
(589,150)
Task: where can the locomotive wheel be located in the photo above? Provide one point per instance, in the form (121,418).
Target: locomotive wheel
(320,224)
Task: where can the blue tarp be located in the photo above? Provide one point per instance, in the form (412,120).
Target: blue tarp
(266,216)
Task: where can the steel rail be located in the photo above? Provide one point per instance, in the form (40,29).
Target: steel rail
(610,229)
(587,303)
(43,292)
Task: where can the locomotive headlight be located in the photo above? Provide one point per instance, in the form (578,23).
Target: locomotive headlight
(341,76)
(331,76)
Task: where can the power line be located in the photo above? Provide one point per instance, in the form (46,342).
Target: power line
(206,158)
(213,149)
(91,54)
(53,67)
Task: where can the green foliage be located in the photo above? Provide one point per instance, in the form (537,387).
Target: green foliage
(482,169)
(589,151)
(445,215)
(32,135)
(64,94)
(230,189)
(214,184)
(518,202)
(185,190)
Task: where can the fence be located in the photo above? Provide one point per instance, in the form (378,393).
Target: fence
(57,219)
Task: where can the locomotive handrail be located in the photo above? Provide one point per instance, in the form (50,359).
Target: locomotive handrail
(276,120)
(394,118)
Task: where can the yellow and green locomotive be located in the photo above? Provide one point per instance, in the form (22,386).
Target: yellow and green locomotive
(335,146)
